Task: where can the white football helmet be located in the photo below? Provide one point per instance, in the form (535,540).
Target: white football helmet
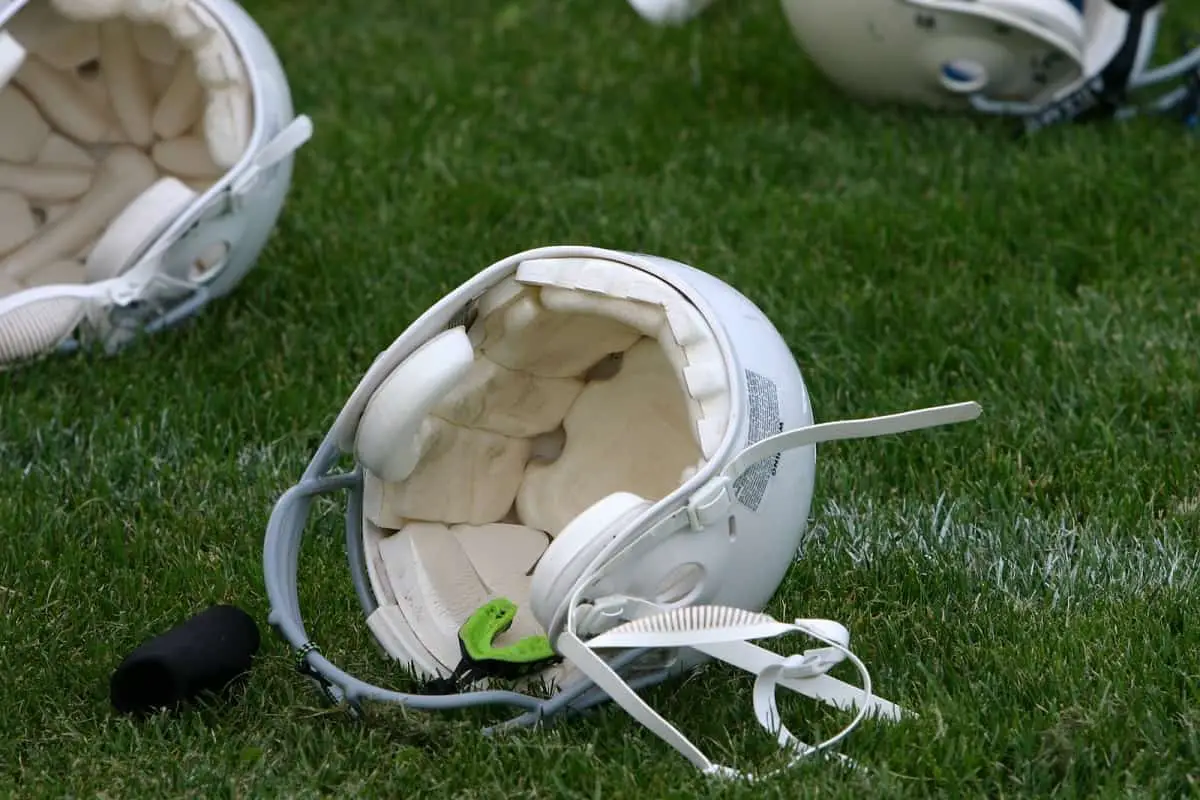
(1044,61)
(584,470)
(145,154)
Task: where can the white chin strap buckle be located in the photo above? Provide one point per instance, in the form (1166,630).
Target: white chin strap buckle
(812,663)
(822,659)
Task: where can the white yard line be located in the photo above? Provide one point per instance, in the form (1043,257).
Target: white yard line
(1022,557)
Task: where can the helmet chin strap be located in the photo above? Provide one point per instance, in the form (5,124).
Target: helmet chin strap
(290,138)
(717,494)
(870,428)
(725,633)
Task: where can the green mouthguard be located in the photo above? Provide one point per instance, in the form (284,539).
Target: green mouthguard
(489,621)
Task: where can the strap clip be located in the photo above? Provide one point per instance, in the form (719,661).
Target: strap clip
(710,502)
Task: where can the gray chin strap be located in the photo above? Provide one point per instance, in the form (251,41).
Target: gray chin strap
(281,554)
(38,323)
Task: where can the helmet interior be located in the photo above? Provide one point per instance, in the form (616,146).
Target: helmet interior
(114,118)
(575,392)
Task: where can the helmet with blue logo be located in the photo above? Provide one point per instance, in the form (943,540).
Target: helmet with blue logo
(1042,61)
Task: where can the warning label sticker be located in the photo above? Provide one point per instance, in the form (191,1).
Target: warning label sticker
(763,413)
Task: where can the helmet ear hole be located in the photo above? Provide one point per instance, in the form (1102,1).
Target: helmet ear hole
(208,262)
(682,585)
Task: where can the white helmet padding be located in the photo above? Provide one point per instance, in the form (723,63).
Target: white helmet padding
(597,437)
(131,133)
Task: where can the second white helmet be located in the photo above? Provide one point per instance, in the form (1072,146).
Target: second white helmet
(1043,61)
(145,156)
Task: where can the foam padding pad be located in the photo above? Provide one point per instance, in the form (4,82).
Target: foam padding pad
(648,305)
(641,404)
(137,227)
(521,334)
(386,440)
(122,176)
(439,575)
(33,328)
(202,654)
(463,476)
(17,222)
(113,114)
(501,400)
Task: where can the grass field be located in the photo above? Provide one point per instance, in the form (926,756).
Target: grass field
(1029,583)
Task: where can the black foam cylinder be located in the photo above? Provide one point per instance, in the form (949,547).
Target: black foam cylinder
(202,654)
